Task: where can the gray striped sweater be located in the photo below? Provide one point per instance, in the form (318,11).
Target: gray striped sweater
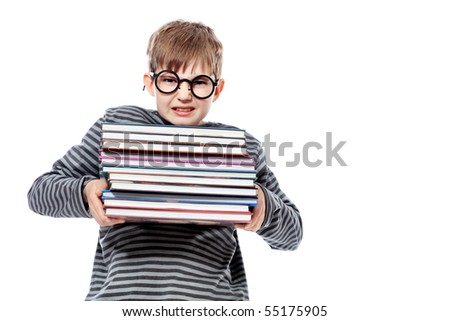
(153,261)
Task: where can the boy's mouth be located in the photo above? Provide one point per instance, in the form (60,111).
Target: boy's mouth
(183,111)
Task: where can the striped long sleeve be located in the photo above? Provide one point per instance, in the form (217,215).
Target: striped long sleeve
(282,227)
(58,193)
(154,261)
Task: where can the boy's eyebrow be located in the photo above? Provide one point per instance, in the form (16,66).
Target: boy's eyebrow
(190,77)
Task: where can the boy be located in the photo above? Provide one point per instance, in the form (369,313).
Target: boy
(154,261)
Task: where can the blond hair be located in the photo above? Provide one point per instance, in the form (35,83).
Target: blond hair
(179,43)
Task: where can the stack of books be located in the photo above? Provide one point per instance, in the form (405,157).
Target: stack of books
(177,173)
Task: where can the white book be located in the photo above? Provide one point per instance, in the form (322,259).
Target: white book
(179,172)
(134,214)
(174,130)
(188,189)
(172,148)
(181,198)
(168,205)
(190,180)
(142,163)
(177,139)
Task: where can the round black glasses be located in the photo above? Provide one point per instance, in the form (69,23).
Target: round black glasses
(167,82)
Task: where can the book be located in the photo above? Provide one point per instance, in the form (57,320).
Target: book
(159,156)
(188,189)
(174,148)
(180,172)
(168,205)
(173,130)
(174,164)
(180,198)
(176,139)
(183,180)
(185,216)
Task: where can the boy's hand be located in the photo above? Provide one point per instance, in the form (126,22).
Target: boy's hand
(91,194)
(258,214)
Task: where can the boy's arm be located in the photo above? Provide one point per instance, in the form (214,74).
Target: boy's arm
(58,193)
(282,226)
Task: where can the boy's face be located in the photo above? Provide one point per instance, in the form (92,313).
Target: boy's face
(181,107)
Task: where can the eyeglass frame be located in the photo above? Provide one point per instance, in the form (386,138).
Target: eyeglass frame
(156,75)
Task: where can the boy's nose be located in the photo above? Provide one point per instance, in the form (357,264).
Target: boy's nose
(184,91)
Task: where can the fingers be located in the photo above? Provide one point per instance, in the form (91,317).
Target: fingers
(98,213)
(256,221)
(253,226)
(93,192)
(258,215)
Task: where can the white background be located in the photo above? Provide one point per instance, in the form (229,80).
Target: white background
(374,73)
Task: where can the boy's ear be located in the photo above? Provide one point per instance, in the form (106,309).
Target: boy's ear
(149,84)
(219,89)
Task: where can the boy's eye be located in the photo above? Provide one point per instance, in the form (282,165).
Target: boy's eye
(169,80)
(201,82)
